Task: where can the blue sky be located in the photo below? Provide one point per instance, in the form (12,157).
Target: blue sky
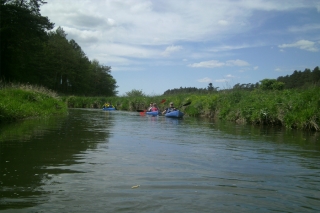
(158,45)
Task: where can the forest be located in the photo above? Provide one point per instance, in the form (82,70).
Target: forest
(299,79)
(32,53)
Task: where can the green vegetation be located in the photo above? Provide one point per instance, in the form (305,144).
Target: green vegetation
(31,53)
(298,109)
(24,101)
(300,79)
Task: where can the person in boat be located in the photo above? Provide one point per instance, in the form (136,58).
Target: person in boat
(150,107)
(105,105)
(154,108)
(171,108)
(108,105)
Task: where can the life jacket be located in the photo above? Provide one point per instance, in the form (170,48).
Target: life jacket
(154,109)
(170,109)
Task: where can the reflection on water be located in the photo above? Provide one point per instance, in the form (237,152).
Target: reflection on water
(89,160)
(33,151)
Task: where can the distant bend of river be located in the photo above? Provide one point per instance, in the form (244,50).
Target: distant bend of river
(97,161)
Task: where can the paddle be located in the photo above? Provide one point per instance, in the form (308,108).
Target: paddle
(186,104)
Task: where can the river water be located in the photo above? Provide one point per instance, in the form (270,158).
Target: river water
(97,161)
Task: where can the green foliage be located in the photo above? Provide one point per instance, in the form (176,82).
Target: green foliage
(22,33)
(290,108)
(135,93)
(271,84)
(300,79)
(30,53)
(17,103)
(69,71)
(191,90)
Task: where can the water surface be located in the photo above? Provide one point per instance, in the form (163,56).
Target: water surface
(89,161)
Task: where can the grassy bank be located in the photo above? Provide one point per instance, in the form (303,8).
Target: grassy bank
(25,101)
(298,109)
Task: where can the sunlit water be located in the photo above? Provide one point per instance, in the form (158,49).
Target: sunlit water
(90,160)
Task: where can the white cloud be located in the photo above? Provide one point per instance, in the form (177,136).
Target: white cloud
(239,63)
(119,69)
(283,70)
(221,80)
(171,49)
(205,80)
(166,22)
(230,76)
(215,63)
(302,44)
(229,47)
(304,28)
(140,27)
(256,68)
(208,64)
(223,22)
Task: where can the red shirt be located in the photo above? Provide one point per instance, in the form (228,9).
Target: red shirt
(153,109)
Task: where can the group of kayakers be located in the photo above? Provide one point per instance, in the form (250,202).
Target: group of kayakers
(153,108)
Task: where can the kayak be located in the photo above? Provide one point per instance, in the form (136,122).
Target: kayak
(154,113)
(108,108)
(174,114)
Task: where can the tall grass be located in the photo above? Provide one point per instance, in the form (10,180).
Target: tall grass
(24,101)
(299,109)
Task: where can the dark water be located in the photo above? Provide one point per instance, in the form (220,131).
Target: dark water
(90,160)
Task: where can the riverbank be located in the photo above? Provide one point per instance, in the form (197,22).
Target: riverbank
(296,109)
(19,102)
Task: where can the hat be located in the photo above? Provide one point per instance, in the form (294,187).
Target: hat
(171,102)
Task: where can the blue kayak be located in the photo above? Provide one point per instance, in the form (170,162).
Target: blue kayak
(108,108)
(154,113)
(174,114)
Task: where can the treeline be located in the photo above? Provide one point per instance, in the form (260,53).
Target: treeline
(32,53)
(194,90)
(301,79)
(298,79)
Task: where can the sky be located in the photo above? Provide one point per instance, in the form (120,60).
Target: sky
(156,45)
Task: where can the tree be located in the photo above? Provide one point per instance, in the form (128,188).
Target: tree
(101,82)
(316,75)
(271,84)
(301,79)
(59,62)
(22,33)
(135,93)
(210,87)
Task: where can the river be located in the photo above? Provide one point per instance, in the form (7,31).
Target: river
(98,161)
